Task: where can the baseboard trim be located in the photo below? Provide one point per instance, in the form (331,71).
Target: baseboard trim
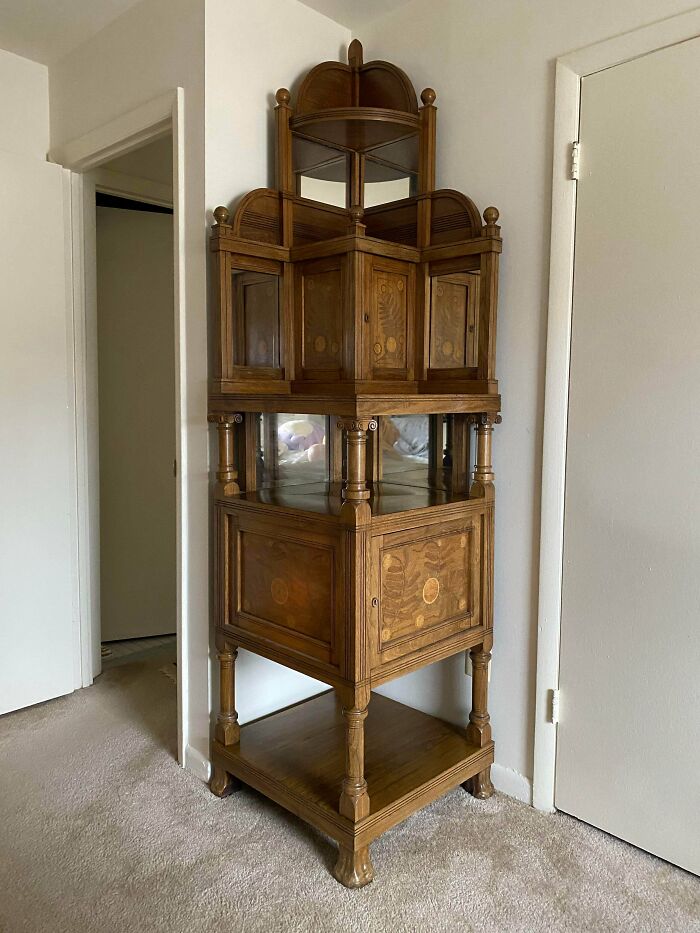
(512,783)
(197,764)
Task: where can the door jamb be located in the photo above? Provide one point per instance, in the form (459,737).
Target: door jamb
(144,124)
(570,70)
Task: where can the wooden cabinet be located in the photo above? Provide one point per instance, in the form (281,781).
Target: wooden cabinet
(354,393)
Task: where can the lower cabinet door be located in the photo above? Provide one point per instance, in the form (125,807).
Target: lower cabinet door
(425,586)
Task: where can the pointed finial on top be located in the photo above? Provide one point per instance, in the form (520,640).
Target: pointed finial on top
(355,53)
(428,96)
(283,96)
(221,215)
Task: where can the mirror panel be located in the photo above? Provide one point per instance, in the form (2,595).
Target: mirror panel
(321,173)
(292,450)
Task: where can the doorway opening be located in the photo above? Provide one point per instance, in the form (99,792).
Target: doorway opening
(134,288)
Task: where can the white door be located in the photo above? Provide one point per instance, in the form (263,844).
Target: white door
(628,749)
(136,388)
(38,626)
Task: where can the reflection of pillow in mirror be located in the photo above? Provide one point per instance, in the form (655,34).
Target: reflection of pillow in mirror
(413,434)
(300,434)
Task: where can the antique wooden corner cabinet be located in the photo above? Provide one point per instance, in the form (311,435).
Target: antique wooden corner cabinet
(353,382)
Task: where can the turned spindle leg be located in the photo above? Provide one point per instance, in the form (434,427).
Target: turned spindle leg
(479,728)
(227,730)
(354,867)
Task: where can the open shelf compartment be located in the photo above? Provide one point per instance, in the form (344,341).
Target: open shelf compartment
(296,757)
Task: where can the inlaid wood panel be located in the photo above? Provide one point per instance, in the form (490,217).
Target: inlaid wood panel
(321,303)
(454,303)
(389,288)
(273,590)
(426,584)
(256,318)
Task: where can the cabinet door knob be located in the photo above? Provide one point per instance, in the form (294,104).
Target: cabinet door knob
(366,318)
(375,601)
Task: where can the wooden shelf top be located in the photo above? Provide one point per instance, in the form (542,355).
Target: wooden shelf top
(324,498)
(360,129)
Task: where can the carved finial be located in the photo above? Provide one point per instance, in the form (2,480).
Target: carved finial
(357,213)
(221,215)
(491,216)
(428,96)
(283,96)
(355,53)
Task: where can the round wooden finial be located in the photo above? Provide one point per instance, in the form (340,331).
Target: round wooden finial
(428,96)
(283,96)
(355,53)
(356,213)
(491,215)
(221,215)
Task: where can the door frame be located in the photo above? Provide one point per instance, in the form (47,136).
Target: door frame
(150,121)
(570,69)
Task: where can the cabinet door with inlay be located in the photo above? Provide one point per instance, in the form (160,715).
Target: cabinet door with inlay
(454,304)
(283,585)
(321,319)
(426,585)
(389,304)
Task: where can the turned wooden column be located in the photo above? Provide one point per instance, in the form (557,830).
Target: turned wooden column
(227,730)
(354,799)
(355,482)
(479,728)
(227,475)
(482,484)
(354,867)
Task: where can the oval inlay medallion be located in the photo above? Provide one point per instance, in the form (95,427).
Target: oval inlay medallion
(431,590)
(447,347)
(279,591)
(420,619)
(320,343)
(462,603)
(391,344)
(399,285)
(377,348)
(386,634)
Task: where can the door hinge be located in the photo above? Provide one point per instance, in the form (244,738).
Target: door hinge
(575,153)
(555,706)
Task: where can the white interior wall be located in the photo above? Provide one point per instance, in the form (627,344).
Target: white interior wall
(38,631)
(492,66)
(251,51)
(24,106)
(153,48)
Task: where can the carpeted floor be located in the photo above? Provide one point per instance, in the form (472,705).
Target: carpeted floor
(102,831)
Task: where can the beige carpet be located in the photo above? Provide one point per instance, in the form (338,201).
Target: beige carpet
(102,831)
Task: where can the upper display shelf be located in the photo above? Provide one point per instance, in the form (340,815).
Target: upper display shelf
(353,278)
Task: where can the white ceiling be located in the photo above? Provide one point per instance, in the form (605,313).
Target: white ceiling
(354,13)
(46,30)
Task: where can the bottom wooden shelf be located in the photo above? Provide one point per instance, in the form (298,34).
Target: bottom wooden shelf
(296,757)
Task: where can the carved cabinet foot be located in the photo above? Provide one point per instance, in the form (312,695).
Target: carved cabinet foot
(480,785)
(222,783)
(353,868)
